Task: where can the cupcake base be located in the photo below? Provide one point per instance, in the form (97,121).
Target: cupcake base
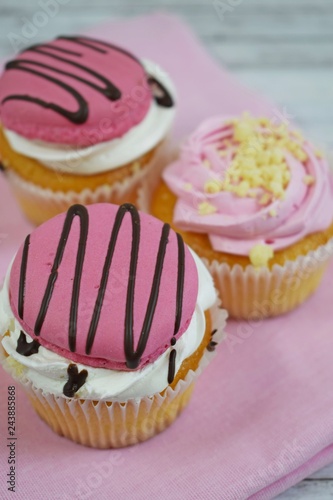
(43,193)
(111,424)
(247,292)
(253,294)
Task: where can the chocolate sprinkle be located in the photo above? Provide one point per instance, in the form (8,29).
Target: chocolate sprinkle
(26,348)
(211,346)
(75,380)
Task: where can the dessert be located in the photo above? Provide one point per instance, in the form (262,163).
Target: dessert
(255,200)
(82,121)
(107,318)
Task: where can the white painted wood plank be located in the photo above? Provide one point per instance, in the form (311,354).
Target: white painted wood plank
(272,55)
(306,95)
(239,22)
(309,490)
(325,473)
(278,6)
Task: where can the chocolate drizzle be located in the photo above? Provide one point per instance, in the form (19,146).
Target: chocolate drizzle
(82,213)
(160,93)
(23,272)
(179,305)
(133,356)
(108,89)
(172,366)
(75,380)
(26,348)
(212,344)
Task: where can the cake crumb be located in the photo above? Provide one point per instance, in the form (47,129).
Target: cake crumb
(206,208)
(309,180)
(213,186)
(260,255)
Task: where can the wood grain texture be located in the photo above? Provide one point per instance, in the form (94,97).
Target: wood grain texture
(283,48)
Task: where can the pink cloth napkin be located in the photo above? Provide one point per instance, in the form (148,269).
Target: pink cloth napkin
(261,418)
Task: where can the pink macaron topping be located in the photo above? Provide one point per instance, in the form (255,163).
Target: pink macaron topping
(105,286)
(74,90)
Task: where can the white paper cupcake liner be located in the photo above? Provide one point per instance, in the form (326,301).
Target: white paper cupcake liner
(253,293)
(40,203)
(110,424)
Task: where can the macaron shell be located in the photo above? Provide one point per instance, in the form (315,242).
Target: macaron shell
(108,347)
(107,119)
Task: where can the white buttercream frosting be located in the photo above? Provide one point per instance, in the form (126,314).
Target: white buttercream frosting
(107,155)
(48,370)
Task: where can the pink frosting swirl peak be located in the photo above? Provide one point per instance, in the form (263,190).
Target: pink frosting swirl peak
(249,181)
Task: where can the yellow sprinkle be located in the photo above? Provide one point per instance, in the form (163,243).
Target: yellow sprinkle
(213,186)
(265,199)
(260,255)
(242,189)
(319,154)
(206,163)
(248,163)
(281,130)
(188,186)
(206,208)
(276,188)
(309,180)
(263,158)
(272,212)
(297,133)
(242,131)
(223,152)
(264,121)
(277,155)
(301,155)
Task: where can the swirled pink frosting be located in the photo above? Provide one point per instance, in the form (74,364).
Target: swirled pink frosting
(239,223)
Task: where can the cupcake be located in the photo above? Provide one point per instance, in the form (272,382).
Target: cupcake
(254,199)
(82,121)
(107,318)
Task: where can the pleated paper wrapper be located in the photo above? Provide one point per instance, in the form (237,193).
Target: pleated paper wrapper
(110,424)
(40,204)
(257,293)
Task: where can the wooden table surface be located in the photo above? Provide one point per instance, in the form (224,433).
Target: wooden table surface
(283,48)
